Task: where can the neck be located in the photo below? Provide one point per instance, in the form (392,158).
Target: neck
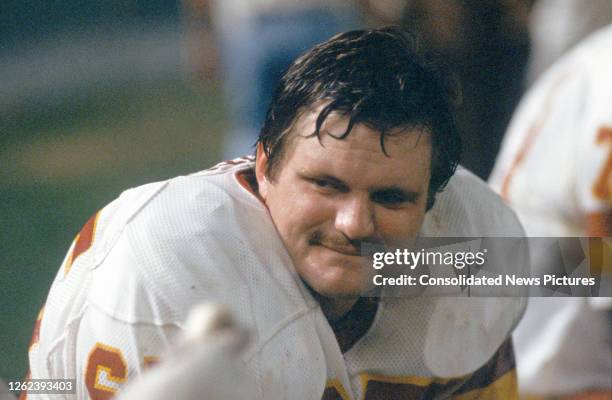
(334,309)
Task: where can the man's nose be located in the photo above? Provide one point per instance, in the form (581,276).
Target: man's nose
(355,217)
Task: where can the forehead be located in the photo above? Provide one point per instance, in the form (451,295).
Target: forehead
(359,156)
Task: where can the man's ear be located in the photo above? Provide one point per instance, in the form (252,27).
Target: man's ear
(261,162)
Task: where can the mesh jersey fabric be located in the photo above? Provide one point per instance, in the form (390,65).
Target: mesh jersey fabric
(162,248)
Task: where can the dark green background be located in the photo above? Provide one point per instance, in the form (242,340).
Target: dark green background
(60,163)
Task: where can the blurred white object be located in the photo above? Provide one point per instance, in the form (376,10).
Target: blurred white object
(205,364)
(561,347)
(208,319)
(552,169)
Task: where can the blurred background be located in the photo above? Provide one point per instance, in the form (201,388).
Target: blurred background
(97,97)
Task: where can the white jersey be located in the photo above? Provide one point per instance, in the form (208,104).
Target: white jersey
(555,169)
(555,165)
(141,263)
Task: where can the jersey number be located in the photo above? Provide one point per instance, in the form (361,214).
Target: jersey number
(106,372)
(602,187)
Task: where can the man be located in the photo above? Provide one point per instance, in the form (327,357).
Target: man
(358,143)
(555,170)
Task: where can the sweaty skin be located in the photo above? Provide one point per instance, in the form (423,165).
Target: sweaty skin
(330,195)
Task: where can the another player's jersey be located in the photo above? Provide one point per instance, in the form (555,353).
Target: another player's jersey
(141,263)
(555,170)
(555,166)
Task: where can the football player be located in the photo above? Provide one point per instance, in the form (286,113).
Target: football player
(555,169)
(357,146)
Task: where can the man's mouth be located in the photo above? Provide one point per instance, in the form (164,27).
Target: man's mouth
(356,248)
(349,250)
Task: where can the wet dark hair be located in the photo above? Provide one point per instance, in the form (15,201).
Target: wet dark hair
(376,77)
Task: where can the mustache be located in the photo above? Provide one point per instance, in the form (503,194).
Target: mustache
(341,243)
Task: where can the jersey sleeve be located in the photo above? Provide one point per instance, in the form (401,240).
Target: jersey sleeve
(100,324)
(101,353)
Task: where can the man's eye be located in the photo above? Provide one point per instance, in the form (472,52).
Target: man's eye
(390,198)
(328,185)
(322,183)
(325,185)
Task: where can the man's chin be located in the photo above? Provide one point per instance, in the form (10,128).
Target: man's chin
(339,289)
(335,294)
(337,277)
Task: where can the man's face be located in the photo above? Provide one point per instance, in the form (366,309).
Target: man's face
(328,197)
